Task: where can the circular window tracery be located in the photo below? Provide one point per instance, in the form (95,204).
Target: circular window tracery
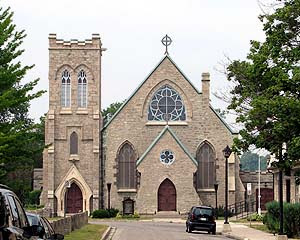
(167,157)
(166,105)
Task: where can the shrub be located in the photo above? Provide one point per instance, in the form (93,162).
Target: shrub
(136,215)
(255,217)
(113,212)
(291,218)
(220,212)
(105,213)
(100,213)
(33,197)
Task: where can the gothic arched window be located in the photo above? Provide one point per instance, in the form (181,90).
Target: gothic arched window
(74,143)
(126,167)
(65,89)
(166,105)
(206,166)
(82,89)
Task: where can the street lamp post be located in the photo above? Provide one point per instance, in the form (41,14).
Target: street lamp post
(216,191)
(227,151)
(259,196)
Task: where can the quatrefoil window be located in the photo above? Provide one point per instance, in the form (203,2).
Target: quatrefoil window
(167,157)
(166,105)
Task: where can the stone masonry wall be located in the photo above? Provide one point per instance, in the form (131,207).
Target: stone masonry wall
(61,122)
(201,124)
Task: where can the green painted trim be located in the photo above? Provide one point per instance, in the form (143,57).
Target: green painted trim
(166,128)
(223,121)
(135,91)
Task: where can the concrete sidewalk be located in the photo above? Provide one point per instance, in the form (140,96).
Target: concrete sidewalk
(243,232)
(239,231)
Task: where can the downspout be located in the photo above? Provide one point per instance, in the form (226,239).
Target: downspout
(101,170)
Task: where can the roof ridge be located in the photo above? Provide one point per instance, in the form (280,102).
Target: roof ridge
(142,83)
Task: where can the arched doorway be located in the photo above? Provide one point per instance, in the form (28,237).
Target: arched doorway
(74,199)
(166,196)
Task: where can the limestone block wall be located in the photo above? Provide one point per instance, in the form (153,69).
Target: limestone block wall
(73,56)
(201,124)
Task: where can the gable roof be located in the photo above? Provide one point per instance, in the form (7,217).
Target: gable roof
(135,91)
(232,131)
(166,128)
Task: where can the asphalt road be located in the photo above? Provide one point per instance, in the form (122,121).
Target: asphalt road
(143,230)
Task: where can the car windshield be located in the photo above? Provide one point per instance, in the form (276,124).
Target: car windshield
(33,220)
(203,211)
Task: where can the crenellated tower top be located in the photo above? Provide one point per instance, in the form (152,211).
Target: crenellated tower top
(93,43)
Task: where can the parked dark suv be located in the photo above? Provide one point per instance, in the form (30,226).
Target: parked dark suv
(47,231)
(13,221)
(201,218)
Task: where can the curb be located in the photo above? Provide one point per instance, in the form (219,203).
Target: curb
(228,235)
(106,234)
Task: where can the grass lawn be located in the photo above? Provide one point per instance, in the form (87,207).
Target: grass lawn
(260,227)
(89,231)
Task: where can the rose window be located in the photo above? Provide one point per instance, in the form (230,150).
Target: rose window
(166,105)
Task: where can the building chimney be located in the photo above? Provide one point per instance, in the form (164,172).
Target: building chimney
(205,88)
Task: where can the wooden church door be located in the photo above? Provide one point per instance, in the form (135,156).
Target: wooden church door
(167,196)
(74,199)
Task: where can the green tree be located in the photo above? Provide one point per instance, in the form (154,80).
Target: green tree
(108,112)
(17,130)
(249,162)
(267,91)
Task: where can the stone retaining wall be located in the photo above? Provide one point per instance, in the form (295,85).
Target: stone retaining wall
(64,225)
(70,223)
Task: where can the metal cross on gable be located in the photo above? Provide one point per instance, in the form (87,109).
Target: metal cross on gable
(166,41)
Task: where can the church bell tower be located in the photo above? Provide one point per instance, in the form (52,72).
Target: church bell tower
(71,160)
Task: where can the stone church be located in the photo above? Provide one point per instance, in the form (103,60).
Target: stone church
(161,151)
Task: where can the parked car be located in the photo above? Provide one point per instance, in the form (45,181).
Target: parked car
(201,218)
(13,221)
(47,230)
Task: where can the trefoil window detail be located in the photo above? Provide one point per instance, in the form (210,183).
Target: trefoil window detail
(65,89)
(166,105)
(82,89)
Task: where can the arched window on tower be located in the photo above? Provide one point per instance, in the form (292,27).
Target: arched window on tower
(66,89)
(206,166)
(73,143)
(166,105)
(126,167)
(82,89)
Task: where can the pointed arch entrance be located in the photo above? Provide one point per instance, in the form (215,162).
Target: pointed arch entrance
(74,199)
(166,196)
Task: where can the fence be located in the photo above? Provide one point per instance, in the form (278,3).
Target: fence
(242,209)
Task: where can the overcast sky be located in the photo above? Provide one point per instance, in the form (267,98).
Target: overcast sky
(203,32)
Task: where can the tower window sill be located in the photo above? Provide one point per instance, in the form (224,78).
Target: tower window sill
(82,111)
(206,190)
(65,111)
(74,158)
(127,190)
